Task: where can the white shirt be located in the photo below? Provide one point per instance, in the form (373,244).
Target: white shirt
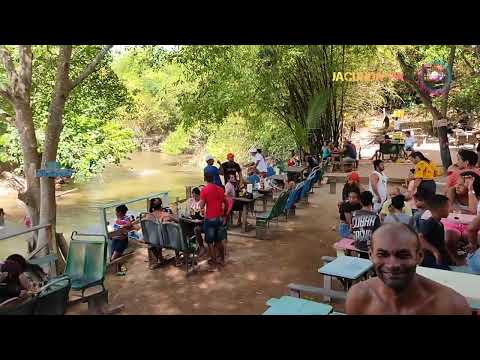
(397,125)
(409,141)
(381,187)
(192,204)
(262,165)
(230,189)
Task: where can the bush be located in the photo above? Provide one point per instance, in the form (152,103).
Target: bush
(177,142)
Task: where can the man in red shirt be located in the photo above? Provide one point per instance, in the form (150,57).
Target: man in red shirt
(213,197)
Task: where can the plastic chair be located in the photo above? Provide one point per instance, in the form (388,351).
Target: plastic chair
(278,209)
(52,298)
(174,240)
(86,262)
(18,306)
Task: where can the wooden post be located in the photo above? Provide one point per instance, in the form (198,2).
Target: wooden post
(52,248)
(188,192)
(176,204)
(333,185)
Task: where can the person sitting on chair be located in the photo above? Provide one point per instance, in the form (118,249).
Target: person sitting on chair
(160,214)
(193,208)
(396,211)
(432,233)
(11,284)
(120,240)
(252,178)
(350,153)
(231,190)
(397,289)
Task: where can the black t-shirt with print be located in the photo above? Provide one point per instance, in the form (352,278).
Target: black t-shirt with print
(364,223)
(230,169)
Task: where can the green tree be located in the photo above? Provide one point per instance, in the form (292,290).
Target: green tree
(20,80)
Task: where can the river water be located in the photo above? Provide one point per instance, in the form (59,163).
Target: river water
(142,174)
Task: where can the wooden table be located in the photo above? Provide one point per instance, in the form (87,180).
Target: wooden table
(288,305)
(467,285)
(347,269)
(245,201)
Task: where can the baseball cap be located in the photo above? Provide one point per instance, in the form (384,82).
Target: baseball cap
(253,150)
(208,157)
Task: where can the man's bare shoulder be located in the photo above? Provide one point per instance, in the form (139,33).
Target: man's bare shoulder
(359,296)
(449,302)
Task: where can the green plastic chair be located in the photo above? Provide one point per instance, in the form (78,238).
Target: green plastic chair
(18,306)
(174,239)
(278,209)
(86,262)
(52,298)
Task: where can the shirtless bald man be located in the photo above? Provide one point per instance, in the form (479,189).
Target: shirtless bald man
(398,289)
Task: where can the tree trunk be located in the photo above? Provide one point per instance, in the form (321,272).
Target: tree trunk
(48,208)
(28,140)
(409,77)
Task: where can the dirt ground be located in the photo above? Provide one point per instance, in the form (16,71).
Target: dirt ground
(256,270)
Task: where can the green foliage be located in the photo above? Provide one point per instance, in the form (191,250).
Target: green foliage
(10,148)
(233,136)
(91,137)
(155,86)
(177,142)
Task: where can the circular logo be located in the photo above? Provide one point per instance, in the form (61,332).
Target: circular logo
(434,78)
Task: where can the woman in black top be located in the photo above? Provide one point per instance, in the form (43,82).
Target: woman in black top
(10,280)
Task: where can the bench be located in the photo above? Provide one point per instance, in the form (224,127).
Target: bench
(263,219)
(297,289)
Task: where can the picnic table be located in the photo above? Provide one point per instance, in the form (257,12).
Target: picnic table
(295,172)
(465,284)
(289,305)
(347,269)
(246,201)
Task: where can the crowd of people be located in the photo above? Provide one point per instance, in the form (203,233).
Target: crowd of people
(208,203)
(419,223)
(446,242)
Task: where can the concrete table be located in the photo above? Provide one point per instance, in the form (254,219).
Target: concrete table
(288,305)
(347,269)
(465,284)
(245,201)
